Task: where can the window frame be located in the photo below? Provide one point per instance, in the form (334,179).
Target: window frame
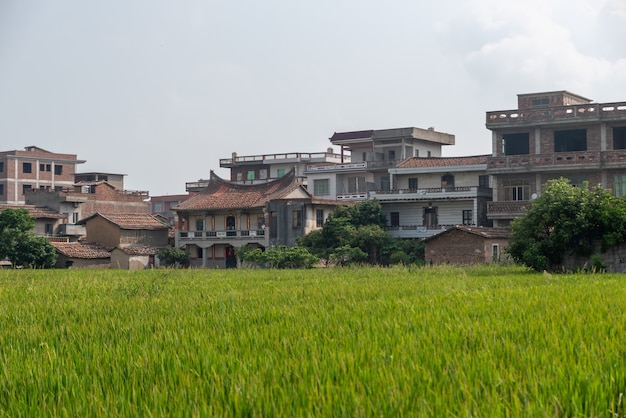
(321,187)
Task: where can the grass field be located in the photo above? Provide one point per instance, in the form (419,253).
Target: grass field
(485,341)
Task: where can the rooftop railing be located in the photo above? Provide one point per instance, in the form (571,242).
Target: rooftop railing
(591,111)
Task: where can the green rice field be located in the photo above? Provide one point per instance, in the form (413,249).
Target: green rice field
(358,342)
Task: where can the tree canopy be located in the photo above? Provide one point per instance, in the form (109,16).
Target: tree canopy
(567,220)
(19,245)
(356,234)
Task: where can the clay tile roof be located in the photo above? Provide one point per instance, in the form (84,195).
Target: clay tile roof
(130,221)
(36,212)
(80,250)
(418,162)
(138,250)
(221,194)
(482,231)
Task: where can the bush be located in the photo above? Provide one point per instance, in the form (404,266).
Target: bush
(280,257)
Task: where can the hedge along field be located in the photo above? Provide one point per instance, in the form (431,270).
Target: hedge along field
(443,341)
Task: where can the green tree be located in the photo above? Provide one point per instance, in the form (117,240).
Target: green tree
(567,220)
(172,256)
(19,245)
(280,257)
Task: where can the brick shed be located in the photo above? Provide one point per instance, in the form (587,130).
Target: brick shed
(467,245)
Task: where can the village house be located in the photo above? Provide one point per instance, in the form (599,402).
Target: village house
(552,135)
(139,237)
(226,215)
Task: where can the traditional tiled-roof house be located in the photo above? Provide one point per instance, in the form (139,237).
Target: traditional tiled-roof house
(226,215)
(125,231)
(81,255)
(463,245)
(46,220)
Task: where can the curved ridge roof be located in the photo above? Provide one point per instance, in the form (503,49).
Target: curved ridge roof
(224,194)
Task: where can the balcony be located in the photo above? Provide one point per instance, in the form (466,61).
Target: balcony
(416,231)
(356,166)
(71,229)
(437,193)
(213,237)
(557,161)
(555,115)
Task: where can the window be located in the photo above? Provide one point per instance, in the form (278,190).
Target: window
(1,166)
(319,218)
(495,252)
(430,217)
(321,187)
(26,187)
(74,217)
(519,190)
(483,181)
(42,167)
(413,183)
(394,218)
(274,225)
(570,140)
(428,154)
(158,207)
(58,169)
(515,144)
(447,182)
(199,224)
(27,167)
(250,175)
(260,222)
(1,189)
(296,218)
(467,217)
(280,172)
(48,229)
(620,185)
(541,102)
(47,167)
(392,155)
(263,173)
(416,152)
(356,184)
(385,183)
(239,176)
(619,138)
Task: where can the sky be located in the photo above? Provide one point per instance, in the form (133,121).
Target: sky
(161,90)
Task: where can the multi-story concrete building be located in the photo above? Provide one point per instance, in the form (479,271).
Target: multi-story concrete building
(163,206)
(552,135)
(34,168)
(254,169)
(429,195)
(365,159)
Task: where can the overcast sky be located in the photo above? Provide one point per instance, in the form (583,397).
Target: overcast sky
(161,90)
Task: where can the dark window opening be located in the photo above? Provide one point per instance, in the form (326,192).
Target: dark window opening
(619,137)
(541,102)
(483,181)
(570,140)
(58,169)
(274,225)
(394,218)
(27,167)
(413,183)
(430,217)
(515,144)
(447,182)
(319,218)
(26,187)
(297,218)
(467,217)
(1,166)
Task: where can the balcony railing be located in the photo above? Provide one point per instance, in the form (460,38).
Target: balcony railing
(591,111)
(356,166)
(432,193)
(558,159)
(223,234)
(301,156)
(507,208)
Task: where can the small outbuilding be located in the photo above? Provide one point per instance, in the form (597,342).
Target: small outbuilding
(80,255)
(464,245)
(134,257)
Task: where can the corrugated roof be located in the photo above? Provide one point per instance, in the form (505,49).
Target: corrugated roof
(482,231)
(80,250)
(221,194)
(418,162)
